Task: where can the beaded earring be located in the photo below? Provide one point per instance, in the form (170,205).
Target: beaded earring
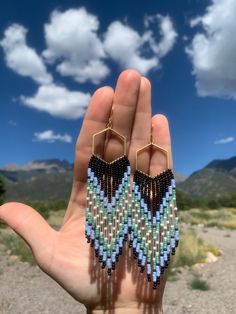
(154,230)
(108,189)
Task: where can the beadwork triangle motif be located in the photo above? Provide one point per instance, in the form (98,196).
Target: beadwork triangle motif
(107,208)
(153,222)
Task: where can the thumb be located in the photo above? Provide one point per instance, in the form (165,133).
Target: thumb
(32,227)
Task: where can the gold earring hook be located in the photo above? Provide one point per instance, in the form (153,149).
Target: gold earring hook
(109,129)
(109,124)
(152,144)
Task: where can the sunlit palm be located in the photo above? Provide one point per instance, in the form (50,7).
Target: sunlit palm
(65,255)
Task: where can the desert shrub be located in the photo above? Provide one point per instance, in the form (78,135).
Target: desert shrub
(18,247)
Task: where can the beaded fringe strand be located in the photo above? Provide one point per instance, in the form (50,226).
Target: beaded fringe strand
(107,208)
(153,222)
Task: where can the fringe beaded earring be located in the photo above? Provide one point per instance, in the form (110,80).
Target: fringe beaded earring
(108,188)
(154,231)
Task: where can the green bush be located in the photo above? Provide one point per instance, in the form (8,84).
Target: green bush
(199,284)
(18,247)
(192,250)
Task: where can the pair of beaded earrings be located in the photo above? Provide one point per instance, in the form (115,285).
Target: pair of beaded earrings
(147,212)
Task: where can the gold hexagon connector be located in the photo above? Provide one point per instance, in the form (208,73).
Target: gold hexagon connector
(165,151)
(109,129)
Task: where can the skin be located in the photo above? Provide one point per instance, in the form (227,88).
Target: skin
(64,254)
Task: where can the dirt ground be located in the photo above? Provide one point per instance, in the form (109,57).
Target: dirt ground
(27,290)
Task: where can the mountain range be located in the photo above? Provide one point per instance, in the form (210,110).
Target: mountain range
(216,179)
(50,180)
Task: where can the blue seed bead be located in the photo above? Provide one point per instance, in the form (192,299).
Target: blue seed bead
(154,220)
(142,202)
(143,260)
(177,235)
(165,256)
(101,249)
(132,236)
(140,255)
(154,276)
(162,263)
(134,243)
(113,257)
(148,268)
(95,181)
(149,215)
(138,247)
(164,202)
(89,171)
(96,244)
(168,248)
(129,221)
(158,271)
(172,242)
(129,169)
(173,183)
(161,209)
(109,262)
(157,215)
(92,234)
(89,230)
(117,249)
(170,190)
(167,195)
(98,189)
(104,256)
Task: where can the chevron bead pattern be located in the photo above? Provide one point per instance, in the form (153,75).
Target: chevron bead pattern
(107,208)
(153,222)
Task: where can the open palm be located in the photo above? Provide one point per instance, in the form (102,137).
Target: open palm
(65,255)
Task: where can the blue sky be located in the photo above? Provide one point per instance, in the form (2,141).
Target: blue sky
(185,48)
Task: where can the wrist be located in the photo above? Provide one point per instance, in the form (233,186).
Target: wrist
(130,309)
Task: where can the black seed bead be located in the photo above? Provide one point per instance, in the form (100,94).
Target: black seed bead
(103,265)
(142,269)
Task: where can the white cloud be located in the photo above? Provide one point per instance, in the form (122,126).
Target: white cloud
(225,140)
(12,123)
(213,50)
(50,137)
(21,58)
(58,101)
(73,42)
(126,46)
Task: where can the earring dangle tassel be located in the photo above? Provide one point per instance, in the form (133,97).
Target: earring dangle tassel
(154,229)
(108,186)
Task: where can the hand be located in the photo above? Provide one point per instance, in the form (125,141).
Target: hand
(65,255)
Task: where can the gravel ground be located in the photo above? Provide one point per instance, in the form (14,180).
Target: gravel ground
(220,275)
(27,290)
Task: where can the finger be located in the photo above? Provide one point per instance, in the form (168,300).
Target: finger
(124,107)
(32,227)
(161,137)
(142,127)
(95,120)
